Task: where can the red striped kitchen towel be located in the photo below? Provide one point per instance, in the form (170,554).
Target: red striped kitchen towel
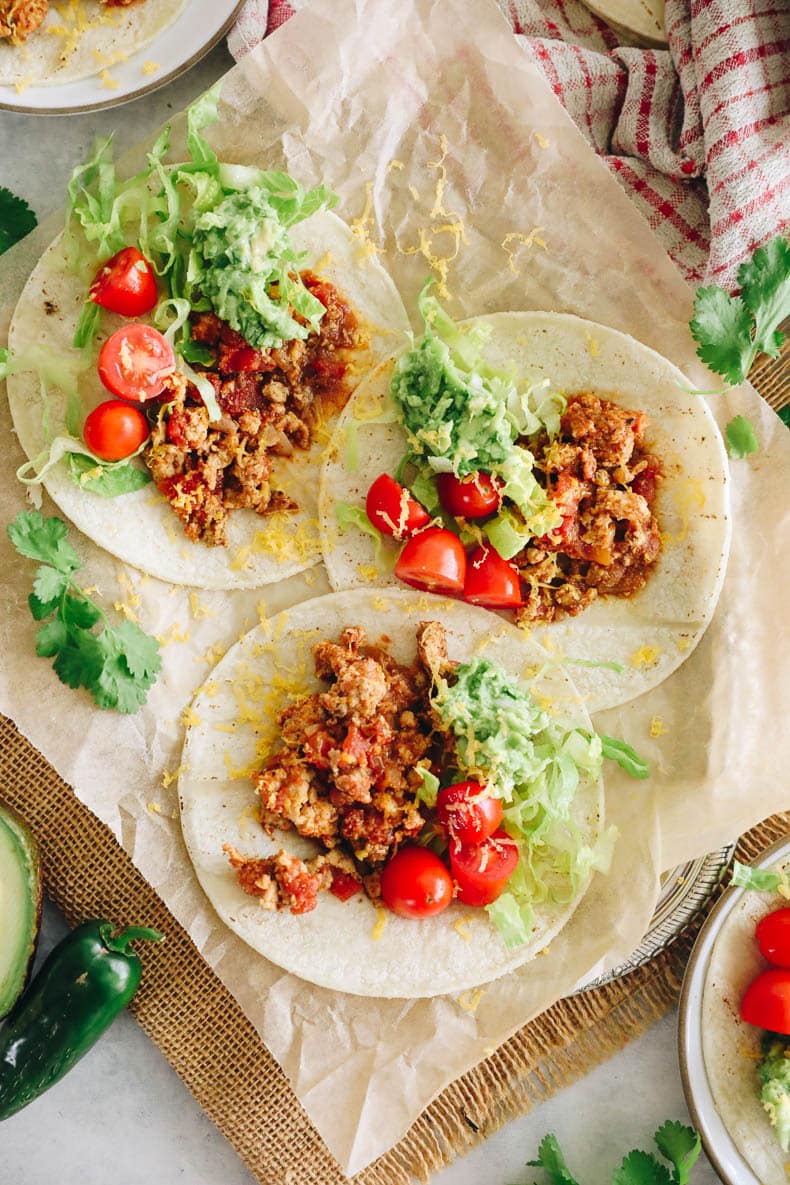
(698,134)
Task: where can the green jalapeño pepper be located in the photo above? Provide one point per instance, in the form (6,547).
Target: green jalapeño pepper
(85,982)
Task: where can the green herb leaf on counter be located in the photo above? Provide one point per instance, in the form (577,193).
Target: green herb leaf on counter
(16,219)
(119,664)
(740,437)
(732,330)
(676,1142)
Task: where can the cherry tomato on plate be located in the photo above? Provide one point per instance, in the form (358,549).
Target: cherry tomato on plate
(492,581)
(434,560)
(115,430)
(416,884)
(468,812)
(766,1002)
(773,937)
(125,284)
(392,510)
(482,870)
(134,362)
(474,496)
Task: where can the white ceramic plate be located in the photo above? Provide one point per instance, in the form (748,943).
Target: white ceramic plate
(719,1145)
(642,21)
(195,31)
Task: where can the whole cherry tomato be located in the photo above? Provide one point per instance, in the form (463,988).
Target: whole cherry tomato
(773,937)
(433,560)
(392,510)
(134,362)
(766,1002)
(482,870)
(468,812)
(492,581)
(115,430)
(125,284)
(416,884)
(474,496)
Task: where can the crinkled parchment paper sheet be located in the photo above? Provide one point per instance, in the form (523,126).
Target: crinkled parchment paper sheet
(444,143)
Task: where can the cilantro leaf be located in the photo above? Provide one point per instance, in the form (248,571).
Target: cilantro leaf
(40,609)
(722,328)
(740,437)
(764,281)
(681,1145)
(640,1168)
(43,540)
(16,219)
(784,415)
(106,480)
(51,638)
(49,584)
(140,652)
(119,664)
(551,1160)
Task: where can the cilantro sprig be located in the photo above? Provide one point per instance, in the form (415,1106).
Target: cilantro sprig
(677,1143)
(119,664)
(16,219)
(732,330)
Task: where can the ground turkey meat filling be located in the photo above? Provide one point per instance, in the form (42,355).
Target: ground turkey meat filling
(345,775)
(270,402)
(603,481)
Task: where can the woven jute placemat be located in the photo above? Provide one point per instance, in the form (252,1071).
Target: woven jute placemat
(200,1028)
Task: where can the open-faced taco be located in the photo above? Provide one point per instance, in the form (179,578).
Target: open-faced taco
(48,44)
(226,310)
(747,1061)
(363,761)
(542,466)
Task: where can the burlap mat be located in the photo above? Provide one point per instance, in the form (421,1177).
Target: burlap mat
(201,1030)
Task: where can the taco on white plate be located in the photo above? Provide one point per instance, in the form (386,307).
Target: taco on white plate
(386,797)
(542,466)
(745,1022)
(226,311)
(47,44)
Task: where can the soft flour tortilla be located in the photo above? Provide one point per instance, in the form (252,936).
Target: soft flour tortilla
(108,35)
(140,528)
(730,1047)
(335,946)
(649,634)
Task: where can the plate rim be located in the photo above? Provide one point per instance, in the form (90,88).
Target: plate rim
(689,1038)
(146,89)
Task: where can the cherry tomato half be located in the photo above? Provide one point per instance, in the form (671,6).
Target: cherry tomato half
(392,510)
(416,884)
(492,581)
(766,1002)
(482,870)
(773,937)
(134,362)
(468,812)
(474,496)
(125,284)
(115,430)
(434,560)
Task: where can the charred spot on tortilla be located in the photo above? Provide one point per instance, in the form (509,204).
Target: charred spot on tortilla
(272,402)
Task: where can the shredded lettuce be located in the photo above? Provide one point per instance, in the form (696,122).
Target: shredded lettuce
(763,880)
(107,478)
(348,516)
(429,787)
(625,756)
(462,416)
(534,763)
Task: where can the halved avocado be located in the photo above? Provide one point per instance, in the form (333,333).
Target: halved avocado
(20,905)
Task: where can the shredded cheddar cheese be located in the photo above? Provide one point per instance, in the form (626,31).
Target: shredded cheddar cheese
(189,718)
(149,67)
(541,141)
(470,1001)
(381,922)
(657,727)
(521,240)
(200,611)
(645,656)
(368,572)
(170,776)
(362,225)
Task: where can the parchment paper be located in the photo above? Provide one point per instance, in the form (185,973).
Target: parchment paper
(450,154)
